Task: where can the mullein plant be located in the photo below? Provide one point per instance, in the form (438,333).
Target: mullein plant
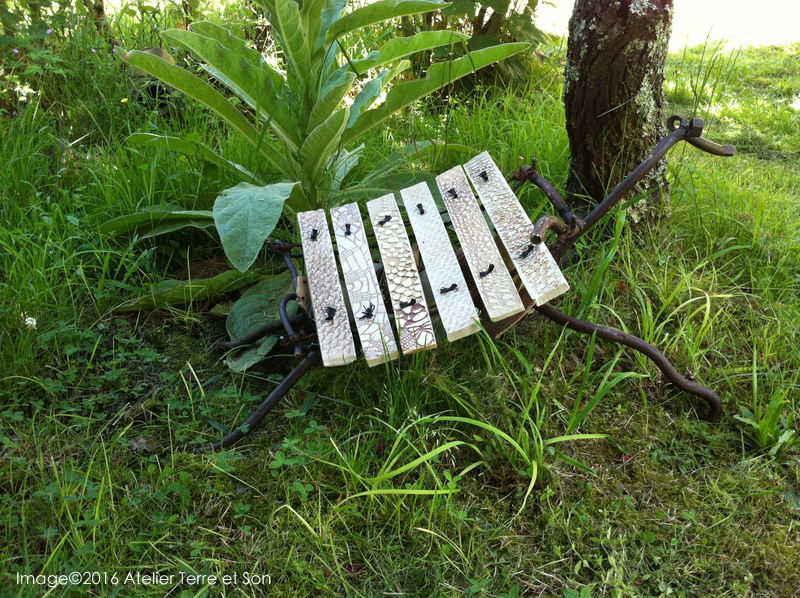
(305,117)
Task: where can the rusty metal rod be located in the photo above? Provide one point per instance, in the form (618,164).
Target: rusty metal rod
(287,257)
(259,333)
(533,175)
(709,146)
(681,130)
(287,323)
(544,224)
(630,181)
(648,350)
(313,358)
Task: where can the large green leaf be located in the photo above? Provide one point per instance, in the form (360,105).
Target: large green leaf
(400,47)
(256,307)
(245,216)
(287,28)
(331,98)
(252,56)
(311,17)
(380,11)
(232,66)
(422,150)
(251,355)
(259,305)
(191,148)
(181,292)
(372,89)
(322,143)
(201,91)
(341,163)
(330,14)
(156,222)
(439,75)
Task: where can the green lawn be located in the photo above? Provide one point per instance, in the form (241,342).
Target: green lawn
(440,474)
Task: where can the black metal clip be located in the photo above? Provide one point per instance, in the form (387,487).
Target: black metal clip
(484,175)
(368,312)
(331,312)
(347,229)
(527,251)
(487,271)
(404,304)
(386,219)
(314,234)
(420,208)
(452,287)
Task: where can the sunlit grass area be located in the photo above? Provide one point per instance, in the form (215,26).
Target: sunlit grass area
(544,464)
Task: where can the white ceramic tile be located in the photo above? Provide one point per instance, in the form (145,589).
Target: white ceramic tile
(366,300)
(333,327)
(494,283)
(455,306)
(535,266)
(405,289)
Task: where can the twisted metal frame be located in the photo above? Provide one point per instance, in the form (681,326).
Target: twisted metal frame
(299,329)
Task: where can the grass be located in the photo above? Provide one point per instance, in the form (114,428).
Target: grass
(437,475)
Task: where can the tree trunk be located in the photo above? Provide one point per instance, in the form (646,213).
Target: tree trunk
(613,96)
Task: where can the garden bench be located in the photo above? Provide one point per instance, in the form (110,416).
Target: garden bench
(502,278)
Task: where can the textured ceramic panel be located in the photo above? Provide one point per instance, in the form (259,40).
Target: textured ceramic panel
(535,266)
(413,320)
(496,287)
(334,335)
(366,300)
(303,294)
(456,309)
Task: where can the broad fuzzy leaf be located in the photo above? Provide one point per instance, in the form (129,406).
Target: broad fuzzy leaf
(322,143)
(380,11)
(331,98)
(245,216)
(372,89)
(287,27)
(239,46)
(232,67)
(256,307)
(156,222)
(311,17)
(341,163)
(439,75)
(201,91)
(400,47)
(259,305)
(181,292)
(192,148)
(330,14)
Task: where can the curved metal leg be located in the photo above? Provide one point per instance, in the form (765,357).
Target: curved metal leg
(312,359)
(265,330)
(623,338)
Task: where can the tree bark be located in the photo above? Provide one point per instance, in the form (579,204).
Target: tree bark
(613,96)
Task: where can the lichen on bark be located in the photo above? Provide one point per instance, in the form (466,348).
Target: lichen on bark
(613,97)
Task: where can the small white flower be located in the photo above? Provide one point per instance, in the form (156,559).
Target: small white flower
(30,323)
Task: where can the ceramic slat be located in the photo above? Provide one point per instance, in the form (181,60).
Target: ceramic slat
(494,283)
(535,266)
(333,327)
(455,306)
(405,289)
(363,289)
